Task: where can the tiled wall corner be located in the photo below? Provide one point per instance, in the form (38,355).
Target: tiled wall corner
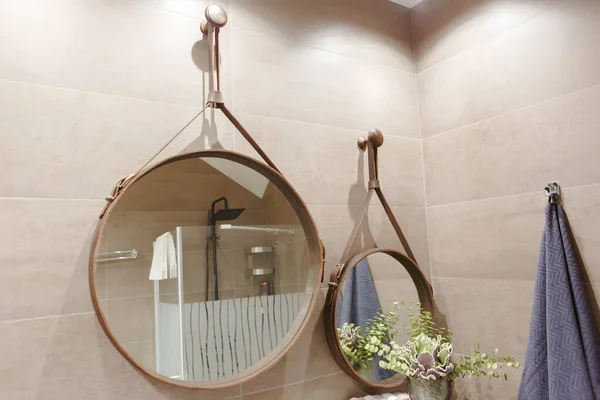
(508,101)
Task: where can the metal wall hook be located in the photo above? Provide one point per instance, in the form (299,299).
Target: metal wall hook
(552,192)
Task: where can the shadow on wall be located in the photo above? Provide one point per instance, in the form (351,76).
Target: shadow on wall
(478,389)
(208,138)
(357,195)
(585,277)
(358,192)
(448,11)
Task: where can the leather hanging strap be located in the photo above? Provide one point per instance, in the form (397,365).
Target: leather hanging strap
(374,187)
(215,101)
(395,224)
(335,275)
(247,136)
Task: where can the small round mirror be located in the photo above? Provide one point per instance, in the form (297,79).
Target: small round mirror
(205,269)
(373,300)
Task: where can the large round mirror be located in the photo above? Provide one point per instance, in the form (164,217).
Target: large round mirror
(205,269)
(372,300)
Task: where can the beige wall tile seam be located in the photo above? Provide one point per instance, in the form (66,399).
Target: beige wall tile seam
(540,193)
(493,37)
(291,384)
(414,51)
(426,207)
(374,204)
(155,7)
(358,131)
(454,130)
(152,296)
(483,279)
(12,321)
(232,86)
(198,107)
(430,277)
(9,198)
(288,42)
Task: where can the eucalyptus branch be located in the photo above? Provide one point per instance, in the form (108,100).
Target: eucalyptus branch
(479,364)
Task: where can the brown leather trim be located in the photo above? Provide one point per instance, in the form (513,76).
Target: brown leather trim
(424,291)
(348,262)
(316,265)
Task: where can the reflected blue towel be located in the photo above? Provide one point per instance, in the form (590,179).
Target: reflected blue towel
(563,354)
(360,303)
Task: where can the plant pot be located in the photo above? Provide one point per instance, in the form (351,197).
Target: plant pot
(423,389)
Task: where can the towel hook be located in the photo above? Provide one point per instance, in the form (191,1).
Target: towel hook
(552,192)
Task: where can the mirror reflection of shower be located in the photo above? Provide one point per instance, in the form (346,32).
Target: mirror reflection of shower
(224,214)
(260,257)
(212,263)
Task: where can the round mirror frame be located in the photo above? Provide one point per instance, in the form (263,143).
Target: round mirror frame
(316,264)
(426,299)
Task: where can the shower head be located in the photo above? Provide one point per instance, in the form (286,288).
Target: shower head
(224,214)
(227,214)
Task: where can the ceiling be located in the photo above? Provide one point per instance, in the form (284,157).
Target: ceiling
(407,3)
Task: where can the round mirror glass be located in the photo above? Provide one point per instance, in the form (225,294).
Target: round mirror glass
(205,269)
(373,305)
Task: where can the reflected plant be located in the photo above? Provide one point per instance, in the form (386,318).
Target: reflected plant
(362,344)
(421,323)
(349,338)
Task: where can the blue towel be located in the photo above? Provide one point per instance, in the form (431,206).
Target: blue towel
(359,304)
(563,354)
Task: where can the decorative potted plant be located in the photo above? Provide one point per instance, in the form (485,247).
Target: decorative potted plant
(426,360)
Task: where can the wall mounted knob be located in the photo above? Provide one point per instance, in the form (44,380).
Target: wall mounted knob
(362,143)
(204,27)
(216,16)
(375,137)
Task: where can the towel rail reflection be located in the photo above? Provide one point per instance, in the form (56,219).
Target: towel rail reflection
(258,228)
(118,255)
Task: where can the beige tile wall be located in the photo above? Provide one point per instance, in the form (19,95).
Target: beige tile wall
(506,98)
(90,90)
(509,100)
